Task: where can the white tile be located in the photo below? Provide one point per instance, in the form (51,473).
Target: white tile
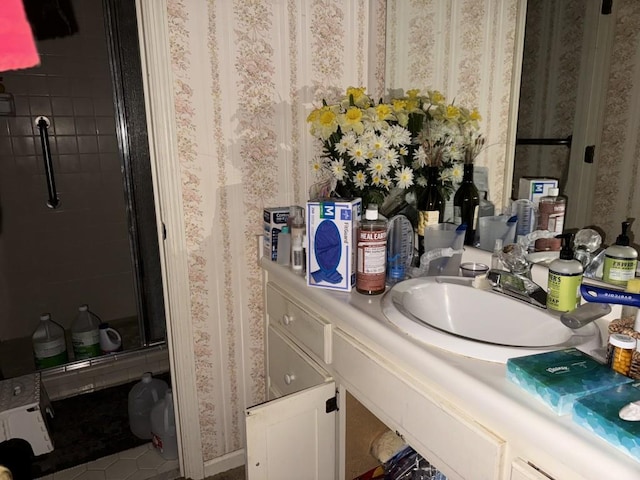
(103,463)
(92,475)
(70,473)
(168,475)
(135,453)
(150,459)
(121,470)
(170,466)
(142,474)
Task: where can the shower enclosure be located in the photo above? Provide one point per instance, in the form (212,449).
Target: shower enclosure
(77,217)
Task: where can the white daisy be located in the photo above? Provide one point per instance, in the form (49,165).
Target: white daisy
(404,177)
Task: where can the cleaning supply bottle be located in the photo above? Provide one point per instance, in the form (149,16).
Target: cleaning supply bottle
(49,344)
(142,398)
(85,334)
(551,211)
(565,278)
(163,427)
(620,260)
(372,253)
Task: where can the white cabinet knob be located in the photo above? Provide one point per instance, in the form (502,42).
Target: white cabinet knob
(288,378)
(287,319)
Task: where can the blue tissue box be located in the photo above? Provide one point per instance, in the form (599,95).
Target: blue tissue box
(599,414)
(559,378)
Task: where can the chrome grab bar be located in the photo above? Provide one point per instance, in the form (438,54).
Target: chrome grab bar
(43,125)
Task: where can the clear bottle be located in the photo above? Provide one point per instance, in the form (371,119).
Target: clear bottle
(163,427)
(496,262)
(620,352)
(85,334)
(284,247)
(620,260)
(465,204)
(49,344)
(372,253)
(298,234)
(551,212)
(430,206)
(565,278)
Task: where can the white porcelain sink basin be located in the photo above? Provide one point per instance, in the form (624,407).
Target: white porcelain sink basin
(447,312)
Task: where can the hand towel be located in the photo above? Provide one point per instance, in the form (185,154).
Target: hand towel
(17,46)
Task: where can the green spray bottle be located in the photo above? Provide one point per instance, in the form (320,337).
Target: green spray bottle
(565,278)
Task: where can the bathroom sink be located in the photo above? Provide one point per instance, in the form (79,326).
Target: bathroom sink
(447,312)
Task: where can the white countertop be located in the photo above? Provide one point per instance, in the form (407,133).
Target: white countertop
(478,387)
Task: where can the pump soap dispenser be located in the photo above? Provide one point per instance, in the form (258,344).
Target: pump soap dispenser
(565,278)
(620,260)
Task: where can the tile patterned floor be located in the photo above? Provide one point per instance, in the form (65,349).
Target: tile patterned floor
(140,463)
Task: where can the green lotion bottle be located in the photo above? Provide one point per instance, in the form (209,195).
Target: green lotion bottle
(565,278)
(620,260)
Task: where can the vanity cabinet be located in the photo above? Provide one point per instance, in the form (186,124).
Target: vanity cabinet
(338,375)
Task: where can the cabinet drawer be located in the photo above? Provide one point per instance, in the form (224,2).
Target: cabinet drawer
(308,330)
(290,370)
(448,438)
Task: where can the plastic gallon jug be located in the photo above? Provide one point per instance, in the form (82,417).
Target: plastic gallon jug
(163,426)
(85,334)
(142,398)
(49,344)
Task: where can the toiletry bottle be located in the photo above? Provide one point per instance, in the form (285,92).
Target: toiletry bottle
(49,344)
(465,204)
(430,206)
(85,334)
(284,247)
(620,260)
(297,241)
(565,277)
(551,211)
(372,253)
(620,352)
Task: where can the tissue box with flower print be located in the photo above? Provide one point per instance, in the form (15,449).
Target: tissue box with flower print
(599,413)
(559,378)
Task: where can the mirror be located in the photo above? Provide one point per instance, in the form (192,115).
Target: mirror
(596,93)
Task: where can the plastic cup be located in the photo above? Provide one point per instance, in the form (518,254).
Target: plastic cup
(492,228)
(443,235)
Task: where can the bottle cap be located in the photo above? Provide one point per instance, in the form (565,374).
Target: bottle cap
(45,316)
(621,340)
(83,308)
(554,192)
(633,285)
(285,229)
(372,212)
(623,239)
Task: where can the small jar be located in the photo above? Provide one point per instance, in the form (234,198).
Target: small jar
(622,348)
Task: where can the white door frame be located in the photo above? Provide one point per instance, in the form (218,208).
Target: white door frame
(159,99)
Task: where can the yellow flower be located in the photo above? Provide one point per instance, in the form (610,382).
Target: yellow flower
(452,113)
(435,97)
(351,120)
(324,122)
(399,104)
(475,115)
(413,93)
(383,112)
(359,95)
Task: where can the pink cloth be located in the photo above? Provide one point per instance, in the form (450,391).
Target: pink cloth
(17,46)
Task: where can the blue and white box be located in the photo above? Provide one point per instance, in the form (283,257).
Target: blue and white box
(561,377)
(599,413)
(274,219)
(535,188)
(331,236)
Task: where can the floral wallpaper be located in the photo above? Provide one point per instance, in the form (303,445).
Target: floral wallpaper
(245,76)
(617,189)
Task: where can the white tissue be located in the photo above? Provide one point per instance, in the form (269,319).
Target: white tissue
(630,412)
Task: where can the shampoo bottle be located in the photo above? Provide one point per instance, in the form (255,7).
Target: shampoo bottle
(372,253)
(565,278)
(620,260)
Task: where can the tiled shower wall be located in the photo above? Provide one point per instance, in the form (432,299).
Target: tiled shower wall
(52,260)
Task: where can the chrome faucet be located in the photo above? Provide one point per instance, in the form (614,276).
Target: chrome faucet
(517,286)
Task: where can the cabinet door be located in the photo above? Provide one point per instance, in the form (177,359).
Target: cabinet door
(293,437)
(521,470)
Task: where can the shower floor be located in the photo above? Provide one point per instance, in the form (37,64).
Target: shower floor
(16,355)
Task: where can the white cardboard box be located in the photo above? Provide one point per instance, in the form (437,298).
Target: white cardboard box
(24,403)
(535,188)
(331,238)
